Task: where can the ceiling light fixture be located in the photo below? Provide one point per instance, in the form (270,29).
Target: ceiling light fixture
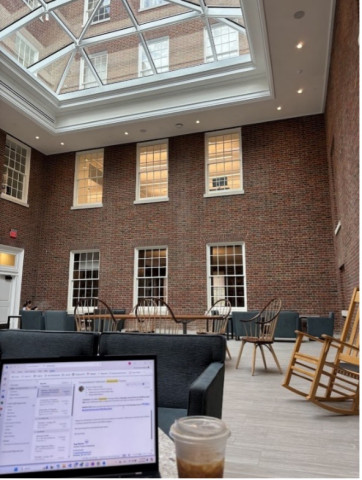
(62,143)
(179,125)
(279,108)
(37,138)
(126,133)
(299,14)
(300,45)
(197,121)
(300,90)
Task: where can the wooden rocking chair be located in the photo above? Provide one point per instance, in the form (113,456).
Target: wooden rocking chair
(331,379)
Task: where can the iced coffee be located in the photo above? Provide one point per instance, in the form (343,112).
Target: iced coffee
(200,443)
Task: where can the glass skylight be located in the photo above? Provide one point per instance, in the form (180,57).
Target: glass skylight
(70,46)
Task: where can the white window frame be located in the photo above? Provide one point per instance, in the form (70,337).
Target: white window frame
(72,280)
(87,13)
(25,176)
(223,175)
(220,279)
(148,4)
(140,199)
(27,45)
(136,287)
(164,42)
(208,55)
(84,67)
(78,158)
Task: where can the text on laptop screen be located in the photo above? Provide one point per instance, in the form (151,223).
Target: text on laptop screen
(77,414)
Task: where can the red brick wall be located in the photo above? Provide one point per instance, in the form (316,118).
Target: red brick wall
(28,221)
(342,131)
(284,218)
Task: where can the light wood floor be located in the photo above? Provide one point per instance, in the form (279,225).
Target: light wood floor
(278,434)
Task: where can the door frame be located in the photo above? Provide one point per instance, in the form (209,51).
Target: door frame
(16,272)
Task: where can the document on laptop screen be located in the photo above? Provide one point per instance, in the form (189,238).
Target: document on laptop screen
(76,414)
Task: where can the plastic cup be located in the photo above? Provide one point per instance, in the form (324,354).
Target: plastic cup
(200,443)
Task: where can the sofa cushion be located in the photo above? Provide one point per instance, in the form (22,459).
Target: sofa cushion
(41,343)
(181,359)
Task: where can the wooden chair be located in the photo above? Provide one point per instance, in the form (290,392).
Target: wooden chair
(331,379)
(221,308)
(154,315)
(94,315)
(259,331)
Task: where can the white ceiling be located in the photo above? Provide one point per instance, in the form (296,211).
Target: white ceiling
(234,99)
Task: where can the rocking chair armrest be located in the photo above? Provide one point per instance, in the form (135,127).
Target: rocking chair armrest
(331,340)
(307,335)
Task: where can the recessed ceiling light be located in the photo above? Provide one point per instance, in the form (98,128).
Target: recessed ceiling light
(61,143)
(300,45)
(37,137)
(279,108)
(179,125)
(126,133)
(299,14)
(300,90)
(197,121)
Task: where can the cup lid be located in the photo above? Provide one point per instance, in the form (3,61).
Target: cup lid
(199,427)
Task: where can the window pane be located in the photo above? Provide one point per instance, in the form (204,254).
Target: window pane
(224,162)
(89,177)
(226,276)
(153,171)
(85,281)
(17,158)
(151,273)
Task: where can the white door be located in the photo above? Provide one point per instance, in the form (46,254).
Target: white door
(6,285)
(11,269)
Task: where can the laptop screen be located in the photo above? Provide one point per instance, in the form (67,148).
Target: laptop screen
(66,417)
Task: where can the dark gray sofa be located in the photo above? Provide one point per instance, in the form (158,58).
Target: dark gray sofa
(190,367)
(41,343)
(190,370)
(288,323)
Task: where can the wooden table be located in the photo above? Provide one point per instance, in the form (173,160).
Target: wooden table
(185,318)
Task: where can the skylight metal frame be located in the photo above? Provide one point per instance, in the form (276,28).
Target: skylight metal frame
(79,44)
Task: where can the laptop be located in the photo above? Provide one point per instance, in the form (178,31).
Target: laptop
(79,417)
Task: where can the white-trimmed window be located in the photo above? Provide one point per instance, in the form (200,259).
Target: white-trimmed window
(223,162)
(145,4)
(226,41)
(100,64)
(15,181)
(83,276)
(226,274)
(102,14)
(152,171)
(26,53)
(151,273)
(32,4)
(88,182)
(159,50)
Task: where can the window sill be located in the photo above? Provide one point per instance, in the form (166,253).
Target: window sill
(223,193)
(14,200)
(151,200)
(82,207)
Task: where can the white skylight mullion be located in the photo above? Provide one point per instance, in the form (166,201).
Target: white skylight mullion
(188,5)
(65,73)
(226,12)
(231,24)
(22,22)
(51,58)
(208,29)
(140,35)
(89,20)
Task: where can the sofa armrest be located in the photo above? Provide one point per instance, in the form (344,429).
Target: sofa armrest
(206,392)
